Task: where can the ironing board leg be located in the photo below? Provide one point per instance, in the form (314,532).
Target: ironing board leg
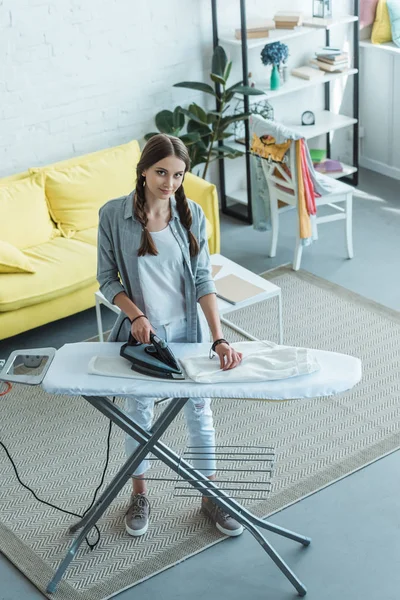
(150,442)
(118,482)
(203,484)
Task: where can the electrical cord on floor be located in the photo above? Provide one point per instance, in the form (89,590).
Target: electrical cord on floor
(91,545)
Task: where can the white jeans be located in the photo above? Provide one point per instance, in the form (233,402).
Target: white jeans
(197,413)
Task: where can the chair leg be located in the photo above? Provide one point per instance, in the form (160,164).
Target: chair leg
(298,251)
(274,225)
(349,225)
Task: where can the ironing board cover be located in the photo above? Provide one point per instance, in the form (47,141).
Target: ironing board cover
(68,374)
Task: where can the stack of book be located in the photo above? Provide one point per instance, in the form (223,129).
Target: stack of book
(288,20)
(256,29)
(331,62)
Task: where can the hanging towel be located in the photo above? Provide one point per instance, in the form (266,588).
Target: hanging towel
(311,183)
(260,362)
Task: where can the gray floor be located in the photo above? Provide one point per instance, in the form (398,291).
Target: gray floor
(354,523)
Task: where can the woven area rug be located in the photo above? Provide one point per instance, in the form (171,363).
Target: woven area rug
(59,446)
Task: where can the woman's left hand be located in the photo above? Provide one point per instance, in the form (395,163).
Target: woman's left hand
(228,357)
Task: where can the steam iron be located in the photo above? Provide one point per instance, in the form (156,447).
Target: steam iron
(155,360)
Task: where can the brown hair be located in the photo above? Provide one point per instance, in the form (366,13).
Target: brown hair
(158,147)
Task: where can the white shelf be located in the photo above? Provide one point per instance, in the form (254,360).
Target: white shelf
(240,195)
(296,84)
(325,121)
(281,35)
(387,47)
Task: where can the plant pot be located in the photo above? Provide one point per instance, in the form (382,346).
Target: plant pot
(275,78)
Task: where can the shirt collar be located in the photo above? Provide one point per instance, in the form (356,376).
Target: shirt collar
(128,212)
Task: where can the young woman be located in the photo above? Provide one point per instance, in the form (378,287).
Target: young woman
(153,263)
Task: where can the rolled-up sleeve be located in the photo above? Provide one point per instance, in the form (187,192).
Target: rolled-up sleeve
(204,281)
(107,270)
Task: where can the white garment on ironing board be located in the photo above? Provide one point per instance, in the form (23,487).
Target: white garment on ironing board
(260,362)
(162,280)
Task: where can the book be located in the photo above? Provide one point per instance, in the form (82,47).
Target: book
(283,25)
(317,22)
(215,269)
(287,17)
(329,166)
(256,29)
(234,289)
(307,73)
(329,68)
(260,33)
(333,58)
(317,155)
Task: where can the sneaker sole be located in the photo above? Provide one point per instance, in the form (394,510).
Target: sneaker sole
(230,532)
(136,532)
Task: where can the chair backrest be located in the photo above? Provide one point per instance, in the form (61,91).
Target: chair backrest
(281,177)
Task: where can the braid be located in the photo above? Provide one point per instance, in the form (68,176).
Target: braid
(147,245)
(185,216)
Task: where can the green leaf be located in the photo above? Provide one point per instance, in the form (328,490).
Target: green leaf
(211,118)
(228,71)
(235,85)
(150,135)
(199,112)
(246,90)
(178,118)
(190,138)
(202,129)
(217,78)
(219,60)
(196,85)
(165,121)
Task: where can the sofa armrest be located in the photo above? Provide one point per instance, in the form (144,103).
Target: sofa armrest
(205,194)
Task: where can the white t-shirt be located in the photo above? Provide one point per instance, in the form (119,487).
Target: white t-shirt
(162,280)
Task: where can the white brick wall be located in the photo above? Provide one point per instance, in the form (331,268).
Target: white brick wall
(80,75)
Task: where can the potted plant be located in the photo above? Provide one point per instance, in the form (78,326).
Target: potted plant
(274,54)
(206,131)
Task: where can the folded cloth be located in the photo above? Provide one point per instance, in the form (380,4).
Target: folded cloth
(261,362)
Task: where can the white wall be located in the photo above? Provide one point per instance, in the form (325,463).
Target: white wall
(80,75)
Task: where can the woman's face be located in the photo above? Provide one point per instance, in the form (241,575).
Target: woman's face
(164,178)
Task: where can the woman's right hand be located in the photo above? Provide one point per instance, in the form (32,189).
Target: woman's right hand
(140,329)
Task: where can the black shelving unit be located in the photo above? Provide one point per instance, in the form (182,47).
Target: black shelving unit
(243,212)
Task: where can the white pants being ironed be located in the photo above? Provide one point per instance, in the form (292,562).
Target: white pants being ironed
(197,412)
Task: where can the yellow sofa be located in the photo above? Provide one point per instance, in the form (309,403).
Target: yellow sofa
(48,233)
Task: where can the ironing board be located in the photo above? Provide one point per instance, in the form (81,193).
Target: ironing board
(67,374)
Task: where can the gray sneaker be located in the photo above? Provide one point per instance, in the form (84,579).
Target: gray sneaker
(137,515)
(221,519)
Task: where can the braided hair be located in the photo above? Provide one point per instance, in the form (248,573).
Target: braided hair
(158,147)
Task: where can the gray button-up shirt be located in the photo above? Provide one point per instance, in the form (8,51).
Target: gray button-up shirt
(119,238)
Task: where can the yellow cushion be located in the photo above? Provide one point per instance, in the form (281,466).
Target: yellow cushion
(62,266)
(381,29)
(15,177)
(205,194)
(25,219)
(89,236)
(13,260)
(76,189)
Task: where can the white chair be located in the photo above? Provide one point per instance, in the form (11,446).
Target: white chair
(282,200)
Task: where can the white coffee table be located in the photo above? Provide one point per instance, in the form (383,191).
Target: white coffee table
(270,291)
(228,268)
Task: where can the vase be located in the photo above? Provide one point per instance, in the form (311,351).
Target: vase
(275,78)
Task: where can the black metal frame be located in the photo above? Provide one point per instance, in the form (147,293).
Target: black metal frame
(352,179)
(149,441)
